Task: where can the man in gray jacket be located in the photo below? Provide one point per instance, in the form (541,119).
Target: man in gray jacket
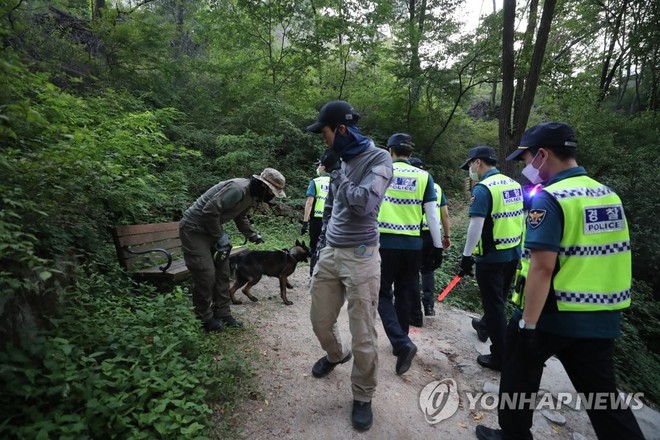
(348,268)
(202,235)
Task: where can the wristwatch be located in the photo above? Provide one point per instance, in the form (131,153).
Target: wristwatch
(523,325)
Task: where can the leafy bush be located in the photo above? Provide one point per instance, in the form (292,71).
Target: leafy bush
(120,365)
(636,356)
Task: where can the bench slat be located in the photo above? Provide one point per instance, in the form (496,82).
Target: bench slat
(123,230)
(149,237)
(145,237)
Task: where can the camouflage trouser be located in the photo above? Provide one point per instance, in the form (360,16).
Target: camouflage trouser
(353,275)
(210,279)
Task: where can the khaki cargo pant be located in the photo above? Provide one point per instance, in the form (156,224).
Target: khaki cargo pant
(353,275)
(210,280)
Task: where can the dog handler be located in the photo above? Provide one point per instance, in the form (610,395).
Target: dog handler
(348,268)
(202,235)
(578,283)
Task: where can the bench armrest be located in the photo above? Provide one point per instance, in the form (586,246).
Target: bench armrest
(167,254)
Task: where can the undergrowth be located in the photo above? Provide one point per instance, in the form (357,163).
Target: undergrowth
(123,364)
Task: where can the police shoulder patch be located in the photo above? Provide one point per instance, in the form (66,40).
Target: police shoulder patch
(535,217)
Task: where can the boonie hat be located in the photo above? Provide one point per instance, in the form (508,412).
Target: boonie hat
(546,135)
(274,179)
(334,113)
(479,153)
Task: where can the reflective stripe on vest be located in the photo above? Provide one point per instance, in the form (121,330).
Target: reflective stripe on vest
(401,210)
(507,212)
(438,192)
(322,186)
(594,255)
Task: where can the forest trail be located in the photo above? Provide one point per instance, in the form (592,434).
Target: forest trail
(292,404)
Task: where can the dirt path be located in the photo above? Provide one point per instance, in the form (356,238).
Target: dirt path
(292,404)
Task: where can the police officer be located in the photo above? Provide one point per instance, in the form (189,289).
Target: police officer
(409,196)
(317,192)
(202,233)
(578,282)
(493,236)
(427,269)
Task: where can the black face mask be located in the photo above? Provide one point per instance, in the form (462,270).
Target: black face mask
(260,191)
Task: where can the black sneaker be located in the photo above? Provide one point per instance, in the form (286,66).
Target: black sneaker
(428,311)
(416,321)
(230,321)
(213,325)
(404,358)
(482,333)
(323,366)
(487,360)
(362,417)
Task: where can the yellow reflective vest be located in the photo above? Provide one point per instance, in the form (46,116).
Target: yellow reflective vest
(594,258)
(438,192)
(401,209)
(507,212)
(321,186)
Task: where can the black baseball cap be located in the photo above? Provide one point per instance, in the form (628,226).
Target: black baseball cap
(479,153)
(416,162)
(546,135)
(334,113)
(400,140)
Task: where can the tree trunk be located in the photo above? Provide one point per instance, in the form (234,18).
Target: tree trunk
(606,74)
(510,133)
(493,89)
(508,72)
(99,5)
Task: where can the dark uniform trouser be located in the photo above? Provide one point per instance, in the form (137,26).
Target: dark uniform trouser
(590,366)
(494,281)
(315,226)
(428,275)
(210,279)
(401,268)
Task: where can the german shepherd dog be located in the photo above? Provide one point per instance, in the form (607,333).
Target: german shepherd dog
(252,265)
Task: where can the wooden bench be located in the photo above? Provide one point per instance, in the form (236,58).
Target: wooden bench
(152,252)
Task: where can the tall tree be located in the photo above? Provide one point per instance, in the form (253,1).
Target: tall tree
(514,113)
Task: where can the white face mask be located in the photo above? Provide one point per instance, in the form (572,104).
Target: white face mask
(531,173)
(474,175)
(318,170)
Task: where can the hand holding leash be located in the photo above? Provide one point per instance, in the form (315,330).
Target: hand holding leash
(222,247)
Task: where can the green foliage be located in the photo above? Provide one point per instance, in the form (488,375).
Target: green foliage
(18,246)
(128,116)
(638,351)
(121,365)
